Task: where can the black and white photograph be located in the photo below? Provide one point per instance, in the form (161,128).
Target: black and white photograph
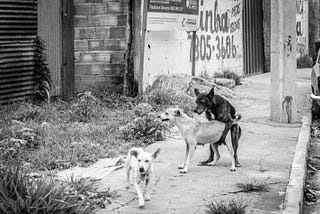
(159,106)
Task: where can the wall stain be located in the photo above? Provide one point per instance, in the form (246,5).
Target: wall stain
(287,105)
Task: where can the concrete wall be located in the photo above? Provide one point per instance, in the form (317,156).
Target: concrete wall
(100,43)
(218,44)
(302,22)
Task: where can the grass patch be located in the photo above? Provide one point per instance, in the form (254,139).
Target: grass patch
(22,194)
(253,186)
(234,206)
(60,135)
(229,75)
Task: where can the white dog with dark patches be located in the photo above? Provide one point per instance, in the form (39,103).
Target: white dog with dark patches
(198,133)
(141,163)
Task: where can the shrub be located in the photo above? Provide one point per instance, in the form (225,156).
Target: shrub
(86,108)
(146,126)
(227,207)
(229,75)
(304,62)
(161,97)
(22,194)
(165,97)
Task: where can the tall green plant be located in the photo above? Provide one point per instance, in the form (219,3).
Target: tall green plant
(41,73)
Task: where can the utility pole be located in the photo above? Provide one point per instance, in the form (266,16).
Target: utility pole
(283,107)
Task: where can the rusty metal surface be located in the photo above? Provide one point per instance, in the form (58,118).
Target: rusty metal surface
(18,29)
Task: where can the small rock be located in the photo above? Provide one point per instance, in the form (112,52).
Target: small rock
(230,83)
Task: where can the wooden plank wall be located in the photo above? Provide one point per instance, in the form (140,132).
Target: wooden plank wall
(50,31)
(18,29)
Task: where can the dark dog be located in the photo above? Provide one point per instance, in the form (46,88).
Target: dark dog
(210,103)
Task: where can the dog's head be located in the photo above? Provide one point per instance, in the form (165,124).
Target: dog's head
(144,159)
(171,114)
(204,101)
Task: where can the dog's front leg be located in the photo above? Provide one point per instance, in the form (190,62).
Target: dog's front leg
(140,195)
(192,148)
(128,177)
(181,166)
(147,195)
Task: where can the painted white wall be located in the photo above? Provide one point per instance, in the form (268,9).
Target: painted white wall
(220,48)
(169,52)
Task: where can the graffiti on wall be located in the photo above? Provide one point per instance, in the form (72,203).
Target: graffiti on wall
(302,27)
(219,37)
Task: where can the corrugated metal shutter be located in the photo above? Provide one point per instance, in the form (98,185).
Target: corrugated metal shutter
(252,37)
(18,29)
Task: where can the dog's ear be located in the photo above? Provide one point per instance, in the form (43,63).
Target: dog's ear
(177,113)
(196,91)
(211,93)
(156,153)
(134,153)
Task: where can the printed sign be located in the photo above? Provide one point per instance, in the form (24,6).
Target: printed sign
(168,15)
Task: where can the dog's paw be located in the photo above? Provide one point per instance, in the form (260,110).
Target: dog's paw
(238,165)
(183,171)
(141,204)
(181,166)
(147,198)
(203,163)
(232,170)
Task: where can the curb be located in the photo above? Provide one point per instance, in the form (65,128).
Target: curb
(293,203)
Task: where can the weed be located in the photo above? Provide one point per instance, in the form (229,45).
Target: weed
(21,194)
(253,186)
(304,62)
(234,206)
(146,126)
(86,107)
(42,73)
(114,100)
(228,74)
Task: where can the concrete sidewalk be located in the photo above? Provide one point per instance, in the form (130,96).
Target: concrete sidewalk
(266,151)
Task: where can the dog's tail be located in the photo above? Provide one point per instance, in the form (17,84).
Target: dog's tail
(237,118)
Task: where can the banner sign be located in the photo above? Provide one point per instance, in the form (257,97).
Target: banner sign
(168,15)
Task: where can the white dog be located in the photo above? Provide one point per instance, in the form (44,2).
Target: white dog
(140,162)
(198,133)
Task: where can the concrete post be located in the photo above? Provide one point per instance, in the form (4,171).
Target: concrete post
(283,107)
